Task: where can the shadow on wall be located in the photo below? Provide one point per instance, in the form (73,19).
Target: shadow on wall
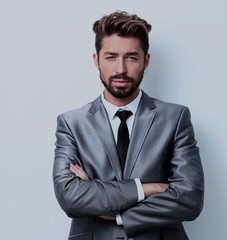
(214,210)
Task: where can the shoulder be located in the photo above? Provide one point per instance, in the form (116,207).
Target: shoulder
(162,105)
(166,110)
(168,105)
(82,111)
(172,110)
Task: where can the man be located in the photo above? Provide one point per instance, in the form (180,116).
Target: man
(127,165)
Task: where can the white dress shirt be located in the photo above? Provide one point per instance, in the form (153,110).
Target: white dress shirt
(115,122)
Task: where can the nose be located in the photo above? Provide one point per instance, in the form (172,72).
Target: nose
(120,66)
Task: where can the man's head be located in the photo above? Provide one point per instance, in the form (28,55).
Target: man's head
(121,54)
(124,25)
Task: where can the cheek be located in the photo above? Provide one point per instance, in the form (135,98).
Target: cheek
(136,70)
(106,70)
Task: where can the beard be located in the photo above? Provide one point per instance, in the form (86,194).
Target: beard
(122,92)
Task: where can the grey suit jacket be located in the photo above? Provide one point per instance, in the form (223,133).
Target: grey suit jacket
(162,149)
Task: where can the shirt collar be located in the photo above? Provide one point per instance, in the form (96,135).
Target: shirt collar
(112,109)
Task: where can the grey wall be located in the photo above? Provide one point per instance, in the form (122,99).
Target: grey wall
(46,68)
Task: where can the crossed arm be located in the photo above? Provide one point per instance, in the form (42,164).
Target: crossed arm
(164,204)
(148,188)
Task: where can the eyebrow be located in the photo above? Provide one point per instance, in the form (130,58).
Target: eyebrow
(127,54)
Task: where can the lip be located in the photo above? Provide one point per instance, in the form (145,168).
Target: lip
(120,82)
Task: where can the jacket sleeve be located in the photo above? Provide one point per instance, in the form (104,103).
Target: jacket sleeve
(85,198)
(183,200)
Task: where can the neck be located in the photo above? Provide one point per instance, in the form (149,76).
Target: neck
(119,102)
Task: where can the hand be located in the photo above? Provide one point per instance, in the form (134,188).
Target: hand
(112,218)
(152,188)
(78,171)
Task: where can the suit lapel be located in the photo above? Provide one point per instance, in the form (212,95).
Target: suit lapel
(100,121)
(142,124)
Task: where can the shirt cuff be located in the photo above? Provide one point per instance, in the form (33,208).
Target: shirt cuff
(140,191)
(119,219)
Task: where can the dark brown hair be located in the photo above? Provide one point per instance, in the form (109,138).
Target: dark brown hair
(124,25)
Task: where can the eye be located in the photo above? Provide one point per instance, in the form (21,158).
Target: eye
(111,57)
(132,58)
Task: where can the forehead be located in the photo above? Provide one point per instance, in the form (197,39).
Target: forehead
(117,44)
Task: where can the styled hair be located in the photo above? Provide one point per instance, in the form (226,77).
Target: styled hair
(124,25)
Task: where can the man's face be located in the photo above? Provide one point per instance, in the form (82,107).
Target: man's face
(121,63)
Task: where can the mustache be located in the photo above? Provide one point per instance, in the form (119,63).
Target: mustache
(120,76)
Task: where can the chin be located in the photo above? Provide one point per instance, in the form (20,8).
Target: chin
(122,93)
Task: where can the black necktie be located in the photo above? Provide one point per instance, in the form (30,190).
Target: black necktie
(123,136)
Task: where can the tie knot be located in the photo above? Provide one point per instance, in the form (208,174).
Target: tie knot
(123,115)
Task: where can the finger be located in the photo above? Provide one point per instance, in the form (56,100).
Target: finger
(73,169)
(108,217)
(79,172)
(82,173)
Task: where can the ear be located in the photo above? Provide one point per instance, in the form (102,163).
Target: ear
(96,60)
(147,60)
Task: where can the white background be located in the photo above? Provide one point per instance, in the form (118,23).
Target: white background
(46,68)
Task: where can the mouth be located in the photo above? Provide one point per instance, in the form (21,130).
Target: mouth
(121,82)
